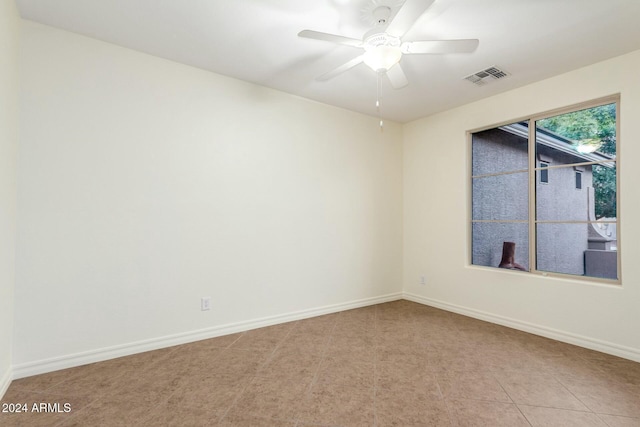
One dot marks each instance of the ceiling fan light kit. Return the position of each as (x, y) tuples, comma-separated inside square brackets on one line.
[(382, 52)]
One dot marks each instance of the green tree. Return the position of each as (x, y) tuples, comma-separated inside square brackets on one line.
[(597, 125)]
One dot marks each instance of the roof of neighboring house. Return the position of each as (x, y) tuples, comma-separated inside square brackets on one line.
[(557, 142)]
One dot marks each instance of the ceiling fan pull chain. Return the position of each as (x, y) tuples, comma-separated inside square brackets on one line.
[(378, 90)]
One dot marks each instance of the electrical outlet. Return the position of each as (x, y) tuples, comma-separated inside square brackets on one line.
[(205, 303), (423, 280)]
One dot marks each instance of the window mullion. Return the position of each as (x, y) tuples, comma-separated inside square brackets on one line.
[(531, 145)]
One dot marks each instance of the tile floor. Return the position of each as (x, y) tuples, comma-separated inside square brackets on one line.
[(394, 364)]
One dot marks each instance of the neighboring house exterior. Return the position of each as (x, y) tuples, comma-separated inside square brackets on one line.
[(562, 194)]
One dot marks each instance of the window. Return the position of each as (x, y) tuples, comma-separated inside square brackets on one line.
[(578, 180), (526, 213), (544, 172)]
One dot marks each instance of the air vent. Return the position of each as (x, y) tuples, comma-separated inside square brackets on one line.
[(485, 76)]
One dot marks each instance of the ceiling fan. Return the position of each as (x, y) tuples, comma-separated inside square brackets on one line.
[(383, 45)]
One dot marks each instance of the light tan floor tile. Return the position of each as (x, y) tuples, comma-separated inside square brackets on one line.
[(621, 370), (467, 413), (352, 348), (299, 366), (304, 343), (44, 381), (471, 385), (91, 381), (538, 390), (331, 405), (176, 415), (243, 420), (148, 387), (617, 421), (322, 325), (551, 417), (189, 359), (606, 397), (510, 360), (346, 372), (404, 354), (347, 342), (403, 379), (216, 393), (357, 330), (263, 340), (451, 362), (570, 365), (409, 410), (238, 362), (270, 398)]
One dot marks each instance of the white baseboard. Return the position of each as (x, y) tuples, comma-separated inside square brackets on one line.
[(5, 382), (92, 356), (558, 335)]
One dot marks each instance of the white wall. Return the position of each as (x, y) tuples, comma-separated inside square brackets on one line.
[(436, 218), (9, 39), (145, 184)]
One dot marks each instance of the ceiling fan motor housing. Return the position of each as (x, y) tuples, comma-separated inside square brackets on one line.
[(376, 38)]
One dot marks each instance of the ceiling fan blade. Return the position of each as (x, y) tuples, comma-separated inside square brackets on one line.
[(396, 76), (333, 38), (341, 69), (440, 46), (408, 14)]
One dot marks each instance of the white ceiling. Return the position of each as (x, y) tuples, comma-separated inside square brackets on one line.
[(256, 41)]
